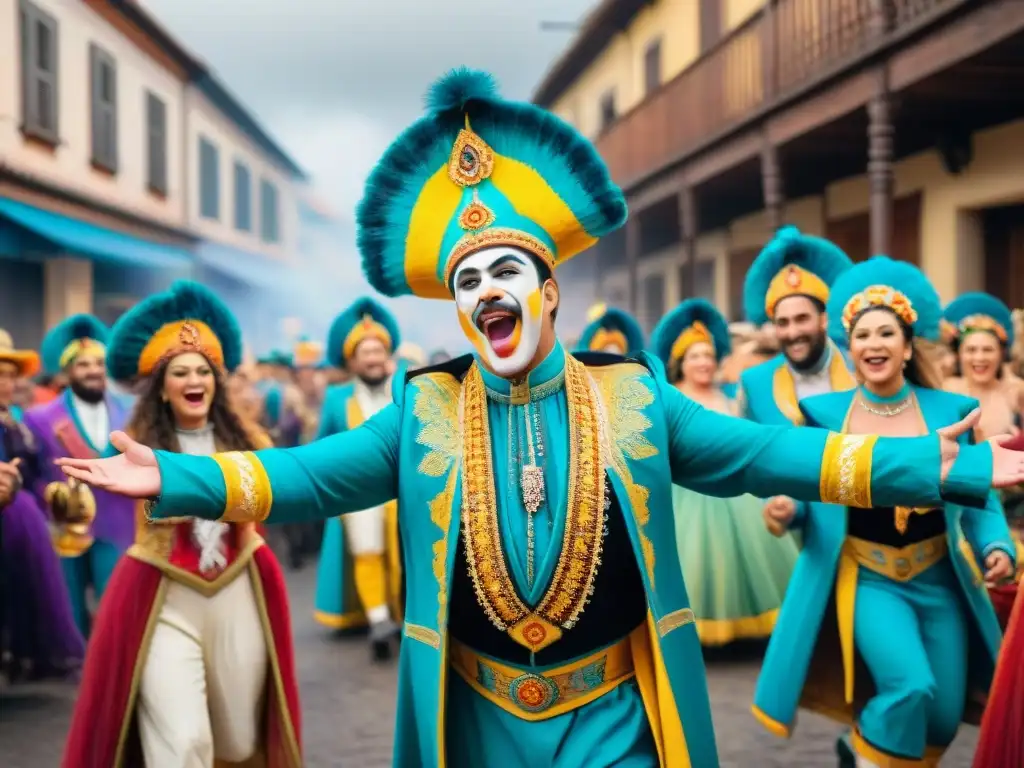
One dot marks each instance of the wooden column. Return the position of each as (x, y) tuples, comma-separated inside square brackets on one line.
[(880, 166), (772, 185), (632, 258), (688, 228)]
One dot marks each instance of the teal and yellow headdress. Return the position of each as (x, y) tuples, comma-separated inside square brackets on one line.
[(187, 317), (791, 264), (365, 318), (479, 171), (70, 338), (975, 312), (276, 357), (308, 353), (695, 320), (613, 326), (881, 282)]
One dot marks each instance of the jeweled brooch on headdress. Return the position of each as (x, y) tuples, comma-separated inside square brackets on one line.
[(879, 296)]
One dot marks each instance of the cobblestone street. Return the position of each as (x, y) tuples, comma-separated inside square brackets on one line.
[(349, 707)]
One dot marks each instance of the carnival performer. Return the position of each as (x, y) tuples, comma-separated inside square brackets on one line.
[(905, 579), (191, 660), (611, 330), (735, 571), (275, 371), (359, 579), (78, 424), (546, 621), (38, 634), (788, 286)]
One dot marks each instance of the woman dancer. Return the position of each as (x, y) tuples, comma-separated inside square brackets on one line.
[(191, 658), (735, 571), (905, 583)]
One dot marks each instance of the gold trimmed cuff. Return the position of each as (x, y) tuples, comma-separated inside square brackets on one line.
[(248, 493), (846, 470), (773, 726)]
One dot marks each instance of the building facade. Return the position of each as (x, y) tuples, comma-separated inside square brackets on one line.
[(125, 164), (889, 126)]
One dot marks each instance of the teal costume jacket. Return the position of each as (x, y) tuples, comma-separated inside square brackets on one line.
[(651, 436), (788, 677)]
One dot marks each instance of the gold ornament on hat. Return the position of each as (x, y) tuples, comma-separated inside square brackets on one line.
[(476, 215), (471, 160)]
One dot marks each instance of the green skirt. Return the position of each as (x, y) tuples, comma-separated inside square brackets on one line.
[(736, 572)]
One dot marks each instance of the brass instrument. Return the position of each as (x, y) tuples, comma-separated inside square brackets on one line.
[(73, 508)]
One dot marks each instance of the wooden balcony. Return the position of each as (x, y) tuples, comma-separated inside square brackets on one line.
[(787, 48)]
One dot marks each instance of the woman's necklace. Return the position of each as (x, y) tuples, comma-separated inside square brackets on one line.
[(885, 407)]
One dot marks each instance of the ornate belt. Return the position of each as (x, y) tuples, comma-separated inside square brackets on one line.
[(533, 695), (898, 563)]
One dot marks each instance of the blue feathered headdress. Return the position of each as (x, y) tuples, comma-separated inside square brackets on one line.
[(614, 326), (480, 171), (881, 281), (187, 317), (66, 333), (276, 357), (791, 264), (981, 312), (365, 317), (692, 321)]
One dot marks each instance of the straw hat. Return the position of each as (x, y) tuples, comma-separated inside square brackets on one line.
[(26, 360)]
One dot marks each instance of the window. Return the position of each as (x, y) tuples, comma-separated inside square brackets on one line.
[(38, 73), (103, 74), (705, 280), (209, 179), (243, 197), (608, 113), (269, 230), (156, 144), (652, 67)]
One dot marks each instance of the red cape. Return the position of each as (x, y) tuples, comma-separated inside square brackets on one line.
[(1001, 742), (103, 729)]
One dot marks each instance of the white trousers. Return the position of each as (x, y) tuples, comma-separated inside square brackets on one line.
[(202, 690), (364, 531)]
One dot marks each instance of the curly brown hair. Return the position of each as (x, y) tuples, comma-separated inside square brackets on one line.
[(152, 421)]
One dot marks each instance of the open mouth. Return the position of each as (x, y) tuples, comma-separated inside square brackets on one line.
[(499, 327), (876, 363), (981, 369), (195, 398)]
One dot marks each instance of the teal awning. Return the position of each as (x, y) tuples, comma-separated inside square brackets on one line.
[(80, 238)]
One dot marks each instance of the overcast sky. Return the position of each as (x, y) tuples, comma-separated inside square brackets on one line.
[(335, 83)]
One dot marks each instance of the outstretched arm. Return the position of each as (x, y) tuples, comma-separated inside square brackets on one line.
[(719, 455), (342, 473)]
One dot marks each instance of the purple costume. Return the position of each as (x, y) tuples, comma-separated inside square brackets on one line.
[(59, 433), (40, 637)]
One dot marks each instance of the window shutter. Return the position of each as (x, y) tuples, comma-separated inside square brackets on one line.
[(95, 101)]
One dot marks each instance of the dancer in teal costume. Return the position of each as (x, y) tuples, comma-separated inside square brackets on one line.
[(904, 583), (735, 571), (612, 331), (788, 285), (359, 576), (601, 666)]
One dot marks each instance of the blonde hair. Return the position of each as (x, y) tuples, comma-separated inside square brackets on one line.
[(925, 367)]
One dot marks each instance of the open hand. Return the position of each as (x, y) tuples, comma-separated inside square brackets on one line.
[(778, 514), (998, 568), (1007, 464), (133, 472)]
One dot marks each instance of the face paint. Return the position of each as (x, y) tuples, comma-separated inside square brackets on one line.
[(498, 295)]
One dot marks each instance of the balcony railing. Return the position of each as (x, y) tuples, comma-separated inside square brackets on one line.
[(786, 45)]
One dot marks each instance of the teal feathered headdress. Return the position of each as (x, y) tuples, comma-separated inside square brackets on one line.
[(276, 357), (365, 318), (882, 282), (70, 337), (791, 264), (188, 317), (479, 171), (981, 312), (692, 321), (614, 327)]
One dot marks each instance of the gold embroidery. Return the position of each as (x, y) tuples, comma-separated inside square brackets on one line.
[(784, 393), (675, 620), (423, 634), (624, 396), (474, 241), (846, 470), (476, 215), (436, 405), (471, 159), (248, 492), (580, 555)]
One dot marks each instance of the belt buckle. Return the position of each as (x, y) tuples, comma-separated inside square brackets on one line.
[(903, 567), (533, 693)]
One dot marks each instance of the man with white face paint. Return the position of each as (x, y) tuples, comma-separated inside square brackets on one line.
[(546, 623)]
